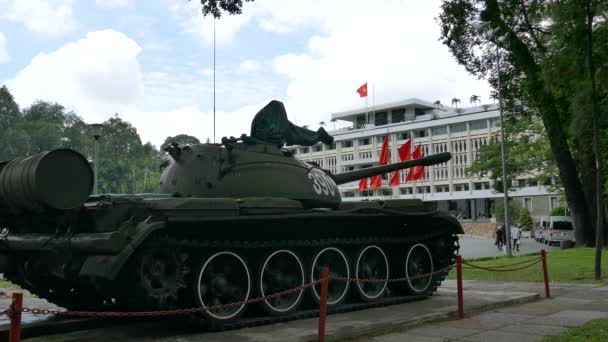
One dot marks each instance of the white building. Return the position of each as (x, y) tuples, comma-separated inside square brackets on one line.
[(436, 128)]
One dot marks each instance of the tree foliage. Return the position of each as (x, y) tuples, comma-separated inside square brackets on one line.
[(525, 220), (541, 45), (529, 155), (216, 7), (125, 164)]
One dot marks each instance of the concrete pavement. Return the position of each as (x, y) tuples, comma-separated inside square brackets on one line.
[(476, 247), (479, 296), (571, 305)]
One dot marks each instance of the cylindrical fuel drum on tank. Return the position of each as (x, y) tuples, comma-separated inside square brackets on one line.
[(59, 179)]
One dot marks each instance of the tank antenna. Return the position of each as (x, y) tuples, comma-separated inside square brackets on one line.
[(214, 79)]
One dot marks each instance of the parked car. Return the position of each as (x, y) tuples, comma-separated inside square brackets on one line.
[(559, 228)]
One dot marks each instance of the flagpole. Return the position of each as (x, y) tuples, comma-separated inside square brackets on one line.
[(214, 80), (366, 106)]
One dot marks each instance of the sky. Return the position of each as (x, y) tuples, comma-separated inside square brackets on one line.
[(152, 61)]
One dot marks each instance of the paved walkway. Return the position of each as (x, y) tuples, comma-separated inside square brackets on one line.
[(495, 311), (571, 305)]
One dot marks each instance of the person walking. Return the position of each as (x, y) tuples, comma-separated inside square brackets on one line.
[(500, 237), (516, 236)]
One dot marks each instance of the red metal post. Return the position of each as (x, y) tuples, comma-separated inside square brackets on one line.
[(14, 332), (323, 304), (459, 285), (543, 256)]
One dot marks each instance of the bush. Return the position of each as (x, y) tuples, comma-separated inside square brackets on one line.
[(514, 209), (558, 211), (525, 221)]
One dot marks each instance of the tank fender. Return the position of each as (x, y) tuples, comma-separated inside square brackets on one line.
[(451, 220), (109, 266)]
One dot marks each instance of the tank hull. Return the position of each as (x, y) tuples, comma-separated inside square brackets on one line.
[(144, 252)]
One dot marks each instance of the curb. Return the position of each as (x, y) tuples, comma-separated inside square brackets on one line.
[(395, 326)]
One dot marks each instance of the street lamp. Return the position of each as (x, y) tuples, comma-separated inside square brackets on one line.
[(502, 40), (96, 129)]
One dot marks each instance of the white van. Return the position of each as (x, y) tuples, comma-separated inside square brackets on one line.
[(559, 228)]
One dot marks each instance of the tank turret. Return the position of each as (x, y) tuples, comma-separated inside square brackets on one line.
[(246, 168)]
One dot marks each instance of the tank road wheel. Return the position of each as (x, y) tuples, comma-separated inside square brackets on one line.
[(418, 261), (371, 264), (223, 278), (338, 267), (281, 270), (161, 274)]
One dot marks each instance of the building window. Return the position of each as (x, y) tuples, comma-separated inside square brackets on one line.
[(380, 118), (304, 149), (419, 111), (317, 148), (553, 202), (404, 135), (421, 133), (360, 121), (349, 194), (479, 124), (347, 143), (405, 191), (364, 141), (398, 115), (386, 192), (458, 128), (380, 139), (442, 130), (495, 123), (528, 203), (330, 147)]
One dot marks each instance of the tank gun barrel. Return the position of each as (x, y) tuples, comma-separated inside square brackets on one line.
[(377, 170), (59, 179)]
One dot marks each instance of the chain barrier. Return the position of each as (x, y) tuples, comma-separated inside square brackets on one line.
[(393, 280), (59, 312), (162, 312), (503, 268)]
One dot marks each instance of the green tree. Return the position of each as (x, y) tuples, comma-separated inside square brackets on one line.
[(514, 211), (14, 141), (121, 155), (541, 76), (215, 7), (528, 146), (474, 99), (455, 102), (525, 220)]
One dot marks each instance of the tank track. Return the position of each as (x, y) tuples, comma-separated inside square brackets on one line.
[(67, 300), (447, 259)]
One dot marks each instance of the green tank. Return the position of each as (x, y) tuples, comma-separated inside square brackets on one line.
[(230, 222)]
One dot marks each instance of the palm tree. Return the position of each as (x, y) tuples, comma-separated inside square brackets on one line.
[(474, 99), (437, 103), (334, 122), (322, 123), (494, 96), (455, 102)]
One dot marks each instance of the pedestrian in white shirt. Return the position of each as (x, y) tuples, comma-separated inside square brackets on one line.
[(515, 235)]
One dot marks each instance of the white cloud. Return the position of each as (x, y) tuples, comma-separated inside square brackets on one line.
[(4, 57), (97, 75), (392, 45), (155, 126), (46, 17), (111, 3), (249, 65)]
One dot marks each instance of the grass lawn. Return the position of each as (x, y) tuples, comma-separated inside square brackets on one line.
[(594, 331), (6, 284), (573, 265)]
